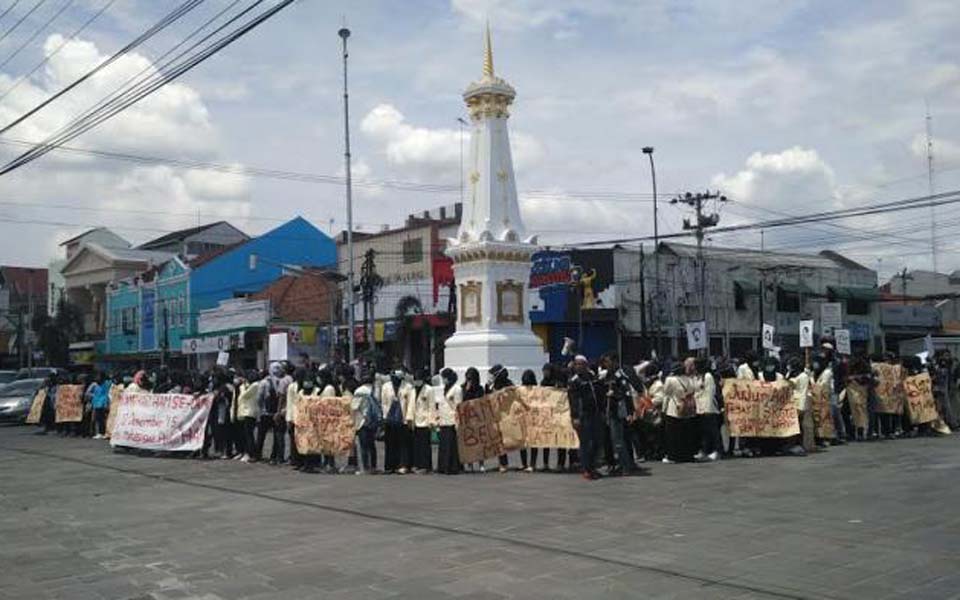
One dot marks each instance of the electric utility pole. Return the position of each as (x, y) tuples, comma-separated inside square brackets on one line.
[(344, 33), (702, 223)]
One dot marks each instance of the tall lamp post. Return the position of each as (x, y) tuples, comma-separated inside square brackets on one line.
[(344, 33), (648, 150)]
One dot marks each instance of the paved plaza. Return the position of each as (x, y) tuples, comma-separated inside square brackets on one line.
[(871, 520)]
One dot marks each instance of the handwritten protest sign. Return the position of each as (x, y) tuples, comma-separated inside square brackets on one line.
[(548, 423), (920, 403), (478, 429), (36, 409), (820, 407), (760, 409), (324, 425), (69, 403), (116, 393), (169, 422), (512, 418), (857, 401), (889, 391)]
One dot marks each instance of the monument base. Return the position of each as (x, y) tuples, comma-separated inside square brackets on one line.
[(517, 350)]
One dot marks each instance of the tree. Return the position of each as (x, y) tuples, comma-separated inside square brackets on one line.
[(54, 335), (407, 307)]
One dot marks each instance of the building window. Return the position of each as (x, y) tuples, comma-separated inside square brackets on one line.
[(412, 251), (739, 298), (128, 321), (183, 311), (858, 307), (787, 301)]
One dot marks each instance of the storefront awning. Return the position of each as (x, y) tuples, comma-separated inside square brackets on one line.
[(796, 288), (749, 288), (854, 293)]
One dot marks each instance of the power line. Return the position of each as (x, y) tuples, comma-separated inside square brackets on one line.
[(57, 50), (22, 19), (162, 24), (9, 8), (38, 31)]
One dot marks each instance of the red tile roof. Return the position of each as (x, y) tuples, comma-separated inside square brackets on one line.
[(296, 298)]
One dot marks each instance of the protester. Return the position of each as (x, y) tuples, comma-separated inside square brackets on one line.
[(396, 434), (473, 389), (448, 457), (679, 405), (585, 414), (708, 413), (422, 419)]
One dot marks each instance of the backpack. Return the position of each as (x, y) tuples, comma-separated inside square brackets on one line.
[(372, 413)]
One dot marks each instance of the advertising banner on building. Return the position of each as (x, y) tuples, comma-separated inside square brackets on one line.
[(831, 317), (162, 422)]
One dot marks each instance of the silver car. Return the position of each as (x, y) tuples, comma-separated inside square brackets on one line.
[(16, 399)]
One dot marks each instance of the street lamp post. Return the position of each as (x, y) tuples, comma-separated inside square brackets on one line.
[(344, 33), (648, 150)]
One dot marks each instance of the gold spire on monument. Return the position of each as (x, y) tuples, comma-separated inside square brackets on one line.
[(491, 95)]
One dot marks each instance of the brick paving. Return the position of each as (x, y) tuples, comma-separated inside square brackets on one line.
[(872, 520)]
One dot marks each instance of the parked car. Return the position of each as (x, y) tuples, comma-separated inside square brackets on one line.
[(7, 376), (16, 398), (36, 372)]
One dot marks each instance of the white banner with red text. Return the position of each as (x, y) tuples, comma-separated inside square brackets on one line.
[(168, 422)]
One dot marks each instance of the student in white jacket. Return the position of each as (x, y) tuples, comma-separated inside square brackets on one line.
[(678, 402), (446, 402), (420, 417), (397, 437), (708, 414)]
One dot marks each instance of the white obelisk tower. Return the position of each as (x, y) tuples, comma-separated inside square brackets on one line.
[(491, 254)]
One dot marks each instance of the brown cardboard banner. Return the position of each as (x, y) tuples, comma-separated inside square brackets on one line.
[(69, 403), (920, 403), (857, 400), (820, 407), (889, 391), (324, 425), (116, 394), (36, 409), (760, 409), (513, 418)]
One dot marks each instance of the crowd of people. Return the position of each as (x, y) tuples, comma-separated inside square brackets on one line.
[(670, 411)]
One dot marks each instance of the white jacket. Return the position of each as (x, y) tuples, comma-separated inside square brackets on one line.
[(801, 390), (675, 389), (247, 400), (293, 396), (707, 396), (389, 395), (745, 372), (826, 380), (446, 405), (421, 414)]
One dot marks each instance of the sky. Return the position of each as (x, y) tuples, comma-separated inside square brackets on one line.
[(787, 108)]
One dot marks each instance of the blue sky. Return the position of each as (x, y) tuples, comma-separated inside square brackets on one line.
[(787, 106)]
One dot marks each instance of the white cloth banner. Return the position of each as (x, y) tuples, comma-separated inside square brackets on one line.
[(278, 346), (806, 334), (171, 422), (697, 335)]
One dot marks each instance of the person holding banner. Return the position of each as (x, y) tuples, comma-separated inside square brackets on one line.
[(329, 388), (678, 401), (551, 376), (473, 389), (302, 384), (499, 378), (799, 377), (448, 458)]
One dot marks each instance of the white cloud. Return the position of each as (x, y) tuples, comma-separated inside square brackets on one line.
[(433, 154), (174, 121)]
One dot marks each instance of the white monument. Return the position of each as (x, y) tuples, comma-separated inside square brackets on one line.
[(491, 255)]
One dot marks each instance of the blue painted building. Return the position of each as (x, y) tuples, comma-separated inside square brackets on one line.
[(158, 309)]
